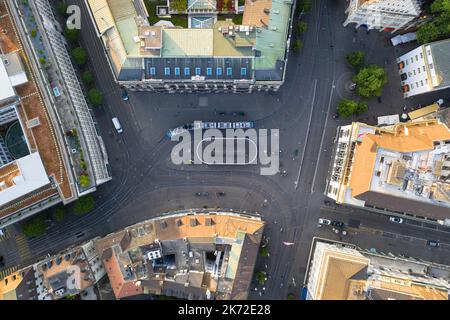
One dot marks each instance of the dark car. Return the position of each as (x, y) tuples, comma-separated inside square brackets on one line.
[(433, 243), (338, 224), (125, 95), (2, 262), (198, 194), (220, 194)]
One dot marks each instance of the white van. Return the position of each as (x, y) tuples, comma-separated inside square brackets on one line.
[(117, 125)]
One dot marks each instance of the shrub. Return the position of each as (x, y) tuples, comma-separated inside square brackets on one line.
[(87, 77), (356, 59), (261, 277), (34, 227), (79, 55), (263, 252), (298, 45), (347, 108), (71, 34), (302, 26), (95, 97), (84, 181), (84, 205), (34, 33)]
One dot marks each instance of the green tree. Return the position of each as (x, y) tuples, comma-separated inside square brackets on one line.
[(302, 26), (33, 33), (84, 205), (290, 296), (261, 277), (59, 213), (304, 5), (95, 97), (439, 27), (263, 252), (79, 55), (71, 34), (34, 227), (347, 108), (298, 45), (85, 181), (428, 33), (87, 77), (62, 8), (356, 59), (370, 81)]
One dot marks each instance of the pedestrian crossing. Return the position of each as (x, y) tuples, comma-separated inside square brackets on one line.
[(5, 236), (22, 247), (6, 272)]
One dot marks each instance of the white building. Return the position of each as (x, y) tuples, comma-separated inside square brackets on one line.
[(383, 14), (425, 69)]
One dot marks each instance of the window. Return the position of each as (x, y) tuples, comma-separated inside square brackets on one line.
[(414, 71), (412, 86), (421, 55), (198, 71), (177, 71), (219, 71), (417, 58), (187, 71), (418, 70), (209, 71), (243, 71), (412, 59), (229, 71), (152, 71), (421, 83), (406, 62), (424, 69), (167, 71)]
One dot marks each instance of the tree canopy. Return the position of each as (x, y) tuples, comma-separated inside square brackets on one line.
[(356, 59), (95, 97), (84, 205), (370, 81), (347, 108), (79, 55), (439, 27)]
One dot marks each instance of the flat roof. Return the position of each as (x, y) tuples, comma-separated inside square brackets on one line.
[(441, 57), (187, 43), (29, 177), (6, 88)]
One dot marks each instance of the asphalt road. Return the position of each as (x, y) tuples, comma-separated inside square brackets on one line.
[(146, 183)]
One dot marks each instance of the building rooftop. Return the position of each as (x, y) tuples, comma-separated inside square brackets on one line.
[(6, 89), (409, 162), (24, 176), (263, 38), (198, 256), (440, 73), (37, 128), (340, 272)]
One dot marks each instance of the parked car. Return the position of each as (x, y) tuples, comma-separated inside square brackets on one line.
[(433, 243), (338, 224), (220, 194), (125, 95), (324, 221), (396, 219), (2, 262)]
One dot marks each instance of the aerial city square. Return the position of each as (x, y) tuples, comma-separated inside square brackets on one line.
[(224, 150)]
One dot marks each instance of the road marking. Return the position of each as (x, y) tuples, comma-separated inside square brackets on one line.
[(307, 135), (323, 136), (22, 247)]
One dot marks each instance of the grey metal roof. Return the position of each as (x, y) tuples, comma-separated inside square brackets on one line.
[(160, 65), (441, 57)]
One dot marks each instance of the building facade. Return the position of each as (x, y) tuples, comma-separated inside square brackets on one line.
[(397, 169), (382, 15), (425, 69), (219, 56), (341, 271)]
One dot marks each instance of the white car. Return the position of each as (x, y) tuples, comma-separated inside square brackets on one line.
[(396, 219), (324, 221)]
